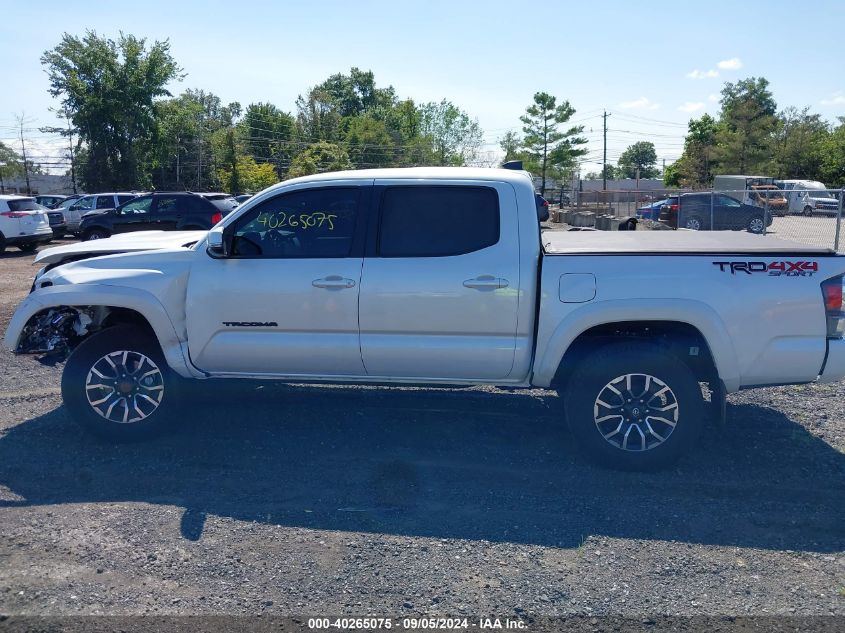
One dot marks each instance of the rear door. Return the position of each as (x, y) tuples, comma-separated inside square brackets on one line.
[(167, 210), (440, 285)]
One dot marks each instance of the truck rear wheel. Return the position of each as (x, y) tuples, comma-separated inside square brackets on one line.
[(117, 385), (633, 407)]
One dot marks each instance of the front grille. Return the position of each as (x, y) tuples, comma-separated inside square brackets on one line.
[(56, 218)]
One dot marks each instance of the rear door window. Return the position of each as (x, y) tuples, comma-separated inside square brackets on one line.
[(437, 221), (105, 202), (168, 204)]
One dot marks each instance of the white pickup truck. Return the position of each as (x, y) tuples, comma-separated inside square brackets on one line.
[(438, 276)]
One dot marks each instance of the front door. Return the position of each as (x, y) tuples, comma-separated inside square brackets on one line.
[(285, 302), (134, 216), (440, 287)]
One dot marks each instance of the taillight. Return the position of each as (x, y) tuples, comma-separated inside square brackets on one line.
[(14, 214), (832, 293), (674, 207), (216, 218)]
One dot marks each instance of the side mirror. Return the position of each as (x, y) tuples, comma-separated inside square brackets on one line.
[(216, 243)]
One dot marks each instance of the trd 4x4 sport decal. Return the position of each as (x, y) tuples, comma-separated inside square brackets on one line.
[(774, 269)]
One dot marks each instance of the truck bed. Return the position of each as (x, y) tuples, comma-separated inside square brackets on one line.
[(672, 242)]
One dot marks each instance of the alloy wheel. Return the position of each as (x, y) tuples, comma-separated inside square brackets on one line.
[(124, 386), (636, 412)]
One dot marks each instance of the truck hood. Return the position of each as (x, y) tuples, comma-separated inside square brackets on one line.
[(677, 242), (121, 243), (162, 273)]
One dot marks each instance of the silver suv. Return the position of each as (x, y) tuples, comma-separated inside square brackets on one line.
[(74, 211)]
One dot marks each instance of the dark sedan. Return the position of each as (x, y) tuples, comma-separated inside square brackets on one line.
[(714, 212)]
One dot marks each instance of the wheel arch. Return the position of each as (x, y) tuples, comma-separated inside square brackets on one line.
[(104, 306), (677, 320)]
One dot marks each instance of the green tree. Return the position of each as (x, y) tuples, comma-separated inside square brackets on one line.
[(695, 167), (543, 139), (252, 176), (268, 135), (798, 144), (11, 165), (640, 157), (317, 117), (317, 158), (108, 88), (511, 144), (455, 138), (368, 143), (832, 151), (356, 94), (747, 125)]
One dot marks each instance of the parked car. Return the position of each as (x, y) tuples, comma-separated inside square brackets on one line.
[(50, 201), (178, 211), (651, 211), (809, 197), (542, 207), (94, 202), (23, 223), (696, 210), (769, 197), (443, 277), (57, 222), (226, 202)]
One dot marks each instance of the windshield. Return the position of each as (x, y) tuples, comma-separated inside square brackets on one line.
[(818, 193)]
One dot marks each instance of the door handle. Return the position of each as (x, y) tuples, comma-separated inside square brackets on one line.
[(333, 282), (486, 282)]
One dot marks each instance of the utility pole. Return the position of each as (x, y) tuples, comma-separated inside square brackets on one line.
[(604, 158), (23, 153), (72, 161)]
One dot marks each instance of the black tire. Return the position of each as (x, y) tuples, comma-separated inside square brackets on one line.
[(2, 244), (808, 211), (96, 233), (28, 248), (157, 401), (590, 381)]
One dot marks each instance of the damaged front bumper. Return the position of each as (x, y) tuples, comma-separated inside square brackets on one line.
[(54, 331)]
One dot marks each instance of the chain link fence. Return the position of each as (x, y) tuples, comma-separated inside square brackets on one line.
[(809, 215)]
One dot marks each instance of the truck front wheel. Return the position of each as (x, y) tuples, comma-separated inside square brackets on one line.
[(117, 385), (633, 407)]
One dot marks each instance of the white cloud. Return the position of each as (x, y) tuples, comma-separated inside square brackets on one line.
[(703, 74), (713, 98), (734, 63), (837, 98), (643, 103), (691, 106)]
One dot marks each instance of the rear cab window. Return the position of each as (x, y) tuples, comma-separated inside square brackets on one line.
[(437, 221)]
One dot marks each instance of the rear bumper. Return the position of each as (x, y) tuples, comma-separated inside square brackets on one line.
[(834, 366), (35, 238)]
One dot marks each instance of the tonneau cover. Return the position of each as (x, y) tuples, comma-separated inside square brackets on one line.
[(675, 242)]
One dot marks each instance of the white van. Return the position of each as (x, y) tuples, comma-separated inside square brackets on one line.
[(809, 197)]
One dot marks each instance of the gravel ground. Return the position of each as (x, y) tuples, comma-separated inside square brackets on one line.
[(280, 500)]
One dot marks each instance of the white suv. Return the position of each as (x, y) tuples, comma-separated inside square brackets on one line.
[(23, 223)]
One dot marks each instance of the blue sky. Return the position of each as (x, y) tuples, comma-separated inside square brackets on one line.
[(652, 66)]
